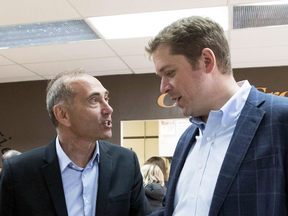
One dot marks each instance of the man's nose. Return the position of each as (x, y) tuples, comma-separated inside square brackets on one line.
[(165, 86), (107, 109)]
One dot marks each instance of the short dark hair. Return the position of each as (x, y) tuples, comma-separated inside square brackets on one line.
[(189, 36)]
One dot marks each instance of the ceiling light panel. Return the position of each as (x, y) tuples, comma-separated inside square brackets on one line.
[(260, 15), (149, 24), (46, 33)]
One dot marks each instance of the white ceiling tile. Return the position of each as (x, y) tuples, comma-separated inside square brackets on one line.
[(259, 64), (102, 64), (97, 73), (5, 61), (92, 8), (144, 70), (237, 2), (31, 11), (130, 46), (257, 37), (50, 76), (10, 71), (59, 52), (20, 79), (106, 73), (259, 54), (133, 46), (140, 61)]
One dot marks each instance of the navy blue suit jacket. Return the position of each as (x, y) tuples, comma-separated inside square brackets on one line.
[(31, 184), (253, 177)]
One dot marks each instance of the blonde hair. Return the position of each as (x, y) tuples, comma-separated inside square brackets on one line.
[(159, 161), (152, 173)]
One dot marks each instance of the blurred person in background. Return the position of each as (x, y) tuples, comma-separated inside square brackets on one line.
[(9, 154), (153, 180), (159, 161)]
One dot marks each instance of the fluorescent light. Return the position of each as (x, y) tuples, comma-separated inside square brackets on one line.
[(260, 15), (149, 24), (56, 32)]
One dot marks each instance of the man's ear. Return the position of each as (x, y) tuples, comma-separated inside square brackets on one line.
[(61, 115), (209, 59)]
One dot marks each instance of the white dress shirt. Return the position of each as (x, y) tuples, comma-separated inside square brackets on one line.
[(197, 180), (80, 184)]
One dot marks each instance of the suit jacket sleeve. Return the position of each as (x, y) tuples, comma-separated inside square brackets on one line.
[(138, 199), (7, 204)]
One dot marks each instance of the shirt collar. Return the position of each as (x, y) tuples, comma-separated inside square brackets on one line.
[(232, 108), (198, 121), (235, 104), (65, 161)]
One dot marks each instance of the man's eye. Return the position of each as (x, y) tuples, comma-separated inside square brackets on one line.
[(94, 100), (170, 73), (107, 99)]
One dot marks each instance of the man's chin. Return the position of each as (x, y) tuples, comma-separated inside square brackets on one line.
[(185, 112), (107, 136)]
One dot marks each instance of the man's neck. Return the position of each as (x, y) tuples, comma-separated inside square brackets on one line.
[(225, 88), (79, 151)]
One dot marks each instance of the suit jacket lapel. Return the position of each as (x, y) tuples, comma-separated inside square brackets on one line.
[(183, 147), (105, 172), (52, 175), (246, 127)]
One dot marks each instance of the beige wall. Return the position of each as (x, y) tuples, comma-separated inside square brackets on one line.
[(141, 137)]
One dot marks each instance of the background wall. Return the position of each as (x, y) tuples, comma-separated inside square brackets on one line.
[(24, 122)]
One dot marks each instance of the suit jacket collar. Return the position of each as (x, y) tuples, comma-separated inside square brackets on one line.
[(247, 125), (52, 175), (105, 172)]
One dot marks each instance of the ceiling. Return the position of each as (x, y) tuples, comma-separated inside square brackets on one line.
[(254, 47)]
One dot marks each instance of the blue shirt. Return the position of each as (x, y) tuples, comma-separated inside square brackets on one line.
[(196, 184), (80, 184)]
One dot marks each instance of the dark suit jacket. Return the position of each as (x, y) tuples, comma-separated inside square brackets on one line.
[(253, 177), (31, 183)]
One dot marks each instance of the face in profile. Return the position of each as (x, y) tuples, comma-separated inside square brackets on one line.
[(186, 86), (90, 116)]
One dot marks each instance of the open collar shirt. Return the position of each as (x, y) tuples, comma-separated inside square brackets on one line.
[(80, 184), (199, 175)]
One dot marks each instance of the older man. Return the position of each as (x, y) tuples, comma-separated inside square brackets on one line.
[(77, 173)]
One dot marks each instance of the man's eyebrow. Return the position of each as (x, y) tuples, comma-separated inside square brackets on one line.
[(97, 94), (164, 68)]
